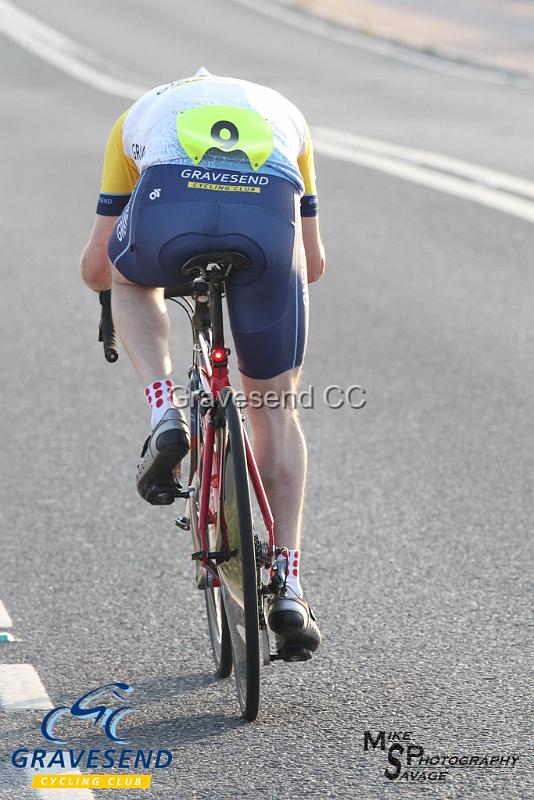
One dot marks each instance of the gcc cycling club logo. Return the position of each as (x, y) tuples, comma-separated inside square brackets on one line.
[(107, 718), (105, 708)]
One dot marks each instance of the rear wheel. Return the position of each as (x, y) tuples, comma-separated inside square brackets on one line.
[(238, 575)]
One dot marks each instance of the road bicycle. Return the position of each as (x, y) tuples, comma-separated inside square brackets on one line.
[(237, 563)]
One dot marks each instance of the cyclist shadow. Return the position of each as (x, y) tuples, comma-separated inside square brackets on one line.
[(154, 699), (183, 729), (186, 727), (166, 688)]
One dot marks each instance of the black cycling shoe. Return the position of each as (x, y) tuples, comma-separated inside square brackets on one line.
[(166, 446), (293, 622)]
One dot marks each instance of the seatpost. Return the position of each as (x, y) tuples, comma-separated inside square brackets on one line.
[(216, 290)]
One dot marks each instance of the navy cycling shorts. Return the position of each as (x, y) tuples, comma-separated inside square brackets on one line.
[(177, 212)]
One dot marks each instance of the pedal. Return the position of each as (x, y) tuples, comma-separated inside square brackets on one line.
[(214, 555), (183, 523), (292, 653), (160, 494), (179, 491), (163, 493)]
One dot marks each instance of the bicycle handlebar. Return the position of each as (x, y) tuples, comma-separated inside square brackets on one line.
[(106, 329)]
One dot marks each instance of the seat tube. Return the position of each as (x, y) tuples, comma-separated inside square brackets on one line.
[(205, 489), (216, 290)]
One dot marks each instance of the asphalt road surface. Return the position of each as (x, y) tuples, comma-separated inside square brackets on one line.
[(416, 547)]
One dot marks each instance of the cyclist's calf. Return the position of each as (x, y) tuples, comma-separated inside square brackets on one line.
[(280, 451)]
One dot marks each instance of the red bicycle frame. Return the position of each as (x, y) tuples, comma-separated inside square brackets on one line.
[(211, 481)]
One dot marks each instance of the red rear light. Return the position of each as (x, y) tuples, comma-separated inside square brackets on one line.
[(218, 354)]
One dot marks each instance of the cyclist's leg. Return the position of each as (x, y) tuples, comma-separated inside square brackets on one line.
[(146, 250), (268, 312), (280, 451), (142, 323), (269, 316), (140, 316)]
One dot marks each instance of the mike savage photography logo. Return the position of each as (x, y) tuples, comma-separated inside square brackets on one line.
[(410, 762), (105, 708)]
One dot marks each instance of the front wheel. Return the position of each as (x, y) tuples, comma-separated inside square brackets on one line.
[(219, 633), (238, 575), (217, 623)]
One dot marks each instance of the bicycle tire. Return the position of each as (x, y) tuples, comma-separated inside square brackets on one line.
[(221, 646), (219, 634), (239, 582)]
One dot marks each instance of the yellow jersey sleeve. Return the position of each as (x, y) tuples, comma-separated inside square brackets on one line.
[(308, 202), (119, 175)]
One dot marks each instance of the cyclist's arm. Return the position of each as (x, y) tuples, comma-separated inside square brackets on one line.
[(95, 265), (118, 180), (313, 246)]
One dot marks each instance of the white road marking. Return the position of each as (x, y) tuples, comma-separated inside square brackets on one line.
[(383, 47), (5, 619), (61, 51), (422, 168), (453, 166), (55, 794), (68, 794), (21, 688), (490, 188), (6, 637)]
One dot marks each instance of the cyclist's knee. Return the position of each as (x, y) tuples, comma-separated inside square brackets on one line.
[(286, 382), (94, 274), (272, 404)]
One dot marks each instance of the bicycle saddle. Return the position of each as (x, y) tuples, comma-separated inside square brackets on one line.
[(224, 258)]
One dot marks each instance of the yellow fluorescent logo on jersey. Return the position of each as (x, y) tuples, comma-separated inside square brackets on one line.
[(218, 187), (227, 128)]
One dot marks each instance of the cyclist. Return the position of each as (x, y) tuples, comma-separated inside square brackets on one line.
[(212, 163)]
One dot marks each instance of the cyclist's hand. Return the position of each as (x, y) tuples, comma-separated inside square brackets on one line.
[(315, 267)]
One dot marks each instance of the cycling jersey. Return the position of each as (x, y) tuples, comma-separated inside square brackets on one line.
[(228, 133)]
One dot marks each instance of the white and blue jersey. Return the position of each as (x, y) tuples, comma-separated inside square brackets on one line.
[(208, 123)]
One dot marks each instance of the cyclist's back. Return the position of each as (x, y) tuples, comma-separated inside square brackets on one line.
[(214, 122), (218, 164)]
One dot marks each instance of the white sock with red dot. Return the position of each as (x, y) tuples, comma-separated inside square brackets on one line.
[(288, 562), (159, 398)]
